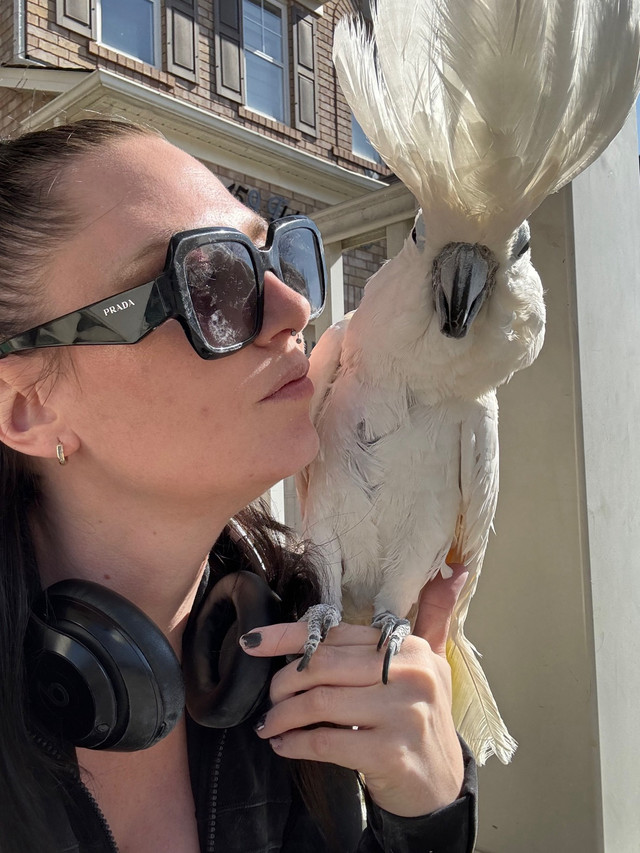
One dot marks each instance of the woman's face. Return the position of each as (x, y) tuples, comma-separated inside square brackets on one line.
[(154, 417)]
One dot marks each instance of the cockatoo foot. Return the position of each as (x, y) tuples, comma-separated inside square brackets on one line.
[(393, 631), (321, 617)]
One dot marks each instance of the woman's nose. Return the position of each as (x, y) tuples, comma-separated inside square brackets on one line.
[(284, 309)]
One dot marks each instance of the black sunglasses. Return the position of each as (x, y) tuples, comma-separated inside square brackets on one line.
[(212, 283)]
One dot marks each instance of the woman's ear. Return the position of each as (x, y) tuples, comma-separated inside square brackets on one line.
[(29, 419)]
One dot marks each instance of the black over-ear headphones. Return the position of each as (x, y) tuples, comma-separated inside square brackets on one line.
[(102, 675)]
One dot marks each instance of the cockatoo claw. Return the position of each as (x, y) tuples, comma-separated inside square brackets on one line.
[(393, 631), (321, 617)]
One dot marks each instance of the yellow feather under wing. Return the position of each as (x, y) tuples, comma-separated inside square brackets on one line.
[(475, 710)]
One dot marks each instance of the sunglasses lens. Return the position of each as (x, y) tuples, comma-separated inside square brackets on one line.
[(222, 285), (301, 265)]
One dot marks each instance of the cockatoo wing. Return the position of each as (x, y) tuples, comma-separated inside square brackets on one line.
[(324, 362), (474, 709), (483, 109)]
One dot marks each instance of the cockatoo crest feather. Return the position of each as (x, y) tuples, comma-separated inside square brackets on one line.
[(483, 109)]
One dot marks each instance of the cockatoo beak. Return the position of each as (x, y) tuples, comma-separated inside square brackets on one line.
[(463, 277)]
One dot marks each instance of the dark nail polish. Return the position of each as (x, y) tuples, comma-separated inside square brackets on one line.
[(259, 724), (251, 641)]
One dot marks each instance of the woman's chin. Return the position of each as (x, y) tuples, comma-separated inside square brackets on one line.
[(292, 457)]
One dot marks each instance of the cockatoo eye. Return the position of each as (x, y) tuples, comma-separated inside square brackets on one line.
[(522, 241)]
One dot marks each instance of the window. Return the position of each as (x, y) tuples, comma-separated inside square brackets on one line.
[(131, 27), (265, 54), (251, 51), (360, 144)]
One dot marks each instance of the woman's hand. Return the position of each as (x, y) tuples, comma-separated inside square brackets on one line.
[(400, 736)]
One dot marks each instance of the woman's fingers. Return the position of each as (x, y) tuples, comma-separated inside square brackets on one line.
[(435, 606), (345, 747), (289, 638), (359, 666), (324, 704)]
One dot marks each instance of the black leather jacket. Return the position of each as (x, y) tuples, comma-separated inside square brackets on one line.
[(246, 801)]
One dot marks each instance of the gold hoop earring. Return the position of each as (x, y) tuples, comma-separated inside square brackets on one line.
[(62, 459)]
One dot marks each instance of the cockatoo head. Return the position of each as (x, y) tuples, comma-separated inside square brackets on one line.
[(462, 317), (463, 277)]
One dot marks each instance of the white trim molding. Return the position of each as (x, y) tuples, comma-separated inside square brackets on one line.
[(312, 6), (210, 137), (40, 79)]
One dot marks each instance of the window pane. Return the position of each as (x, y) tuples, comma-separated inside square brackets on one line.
[(263, 28), (127, 25), (273, 45), (271, 19), (252, 35), (252, 10), (264, 86), (360, 145)]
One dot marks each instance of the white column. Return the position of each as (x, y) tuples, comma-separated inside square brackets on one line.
[(607, 239), (557, 611), (276, 499), (396, 234), (282, 496), (334, 308), (292, 515)]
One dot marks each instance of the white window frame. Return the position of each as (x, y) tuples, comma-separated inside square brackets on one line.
[(286, 94), (157, 33)]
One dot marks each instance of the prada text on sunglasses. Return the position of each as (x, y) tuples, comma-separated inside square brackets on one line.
[(212, 283)]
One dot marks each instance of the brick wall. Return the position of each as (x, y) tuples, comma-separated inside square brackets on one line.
[(16, 106), (267, 199), (6, 31), (61, 48), (359, 265)]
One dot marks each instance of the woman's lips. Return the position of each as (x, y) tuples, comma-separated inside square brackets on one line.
[(295, 390), (293, 385)]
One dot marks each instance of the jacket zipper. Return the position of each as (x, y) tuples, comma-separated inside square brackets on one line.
[(213, 796), (54, 752), (105, 826)]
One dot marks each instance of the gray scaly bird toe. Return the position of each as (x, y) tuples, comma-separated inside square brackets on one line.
[(392, 633), (320, 617)]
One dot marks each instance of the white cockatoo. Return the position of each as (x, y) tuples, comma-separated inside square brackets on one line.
[(482, 109)]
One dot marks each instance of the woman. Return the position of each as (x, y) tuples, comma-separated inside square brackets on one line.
[(122, 465)]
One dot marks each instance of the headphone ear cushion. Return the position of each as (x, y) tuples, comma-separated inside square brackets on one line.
[(225, 686), (101, 673)]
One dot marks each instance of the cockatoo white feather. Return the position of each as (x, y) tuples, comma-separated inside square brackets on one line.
[(482, 109)]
